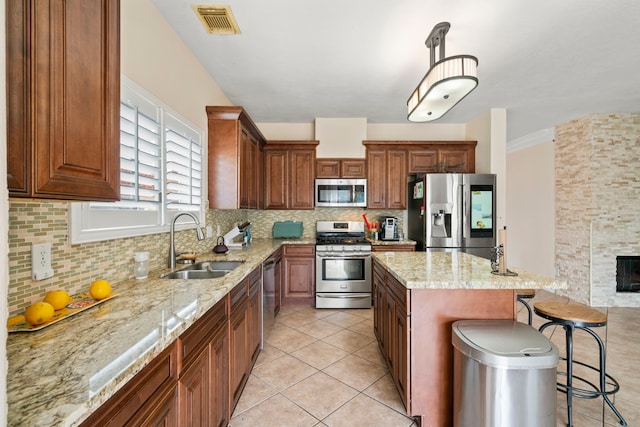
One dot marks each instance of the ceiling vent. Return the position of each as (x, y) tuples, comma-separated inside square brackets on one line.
[(217, 19)]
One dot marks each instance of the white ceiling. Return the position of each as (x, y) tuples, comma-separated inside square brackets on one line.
[(544, 61)]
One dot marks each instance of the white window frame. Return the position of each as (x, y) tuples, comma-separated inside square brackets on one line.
[(87, 224)]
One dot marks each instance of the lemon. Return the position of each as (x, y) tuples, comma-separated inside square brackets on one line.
[(39, 313), (100, 289), (58, 299), (14, 320)]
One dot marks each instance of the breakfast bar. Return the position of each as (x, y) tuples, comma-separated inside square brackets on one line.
[(417, 297)]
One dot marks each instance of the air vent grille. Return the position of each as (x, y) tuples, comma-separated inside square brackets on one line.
[(217, 19)]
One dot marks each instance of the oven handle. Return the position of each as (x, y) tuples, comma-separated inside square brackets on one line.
[(345, 255), (343, 296)]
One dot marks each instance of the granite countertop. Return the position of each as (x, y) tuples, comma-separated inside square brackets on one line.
[(59, 375), (457, 270), (391, 242)]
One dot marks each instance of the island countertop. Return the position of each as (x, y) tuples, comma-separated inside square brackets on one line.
[(457, 270)]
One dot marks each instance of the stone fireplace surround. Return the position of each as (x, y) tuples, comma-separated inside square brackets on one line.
[(597, 199)]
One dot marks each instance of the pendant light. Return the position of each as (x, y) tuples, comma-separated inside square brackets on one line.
[(445, 84)]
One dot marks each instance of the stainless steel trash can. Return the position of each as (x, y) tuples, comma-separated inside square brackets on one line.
[(504, 375)]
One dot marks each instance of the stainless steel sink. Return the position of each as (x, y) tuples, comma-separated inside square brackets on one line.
[(195, 274), (215, 265), (204, 270)]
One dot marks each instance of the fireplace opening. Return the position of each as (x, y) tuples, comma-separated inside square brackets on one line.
[(628, 273)]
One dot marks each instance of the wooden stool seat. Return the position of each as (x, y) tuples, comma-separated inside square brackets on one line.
[(577, 313), (525, 293)]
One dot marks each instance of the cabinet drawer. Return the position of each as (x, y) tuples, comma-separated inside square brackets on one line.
[(299, 250), (141, 393), (238, 295), (194, 339), (397, 290)]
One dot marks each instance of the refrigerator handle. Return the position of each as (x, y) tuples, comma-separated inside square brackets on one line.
[(463, 189)]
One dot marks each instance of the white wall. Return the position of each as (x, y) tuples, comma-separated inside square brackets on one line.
[(531, 209), (153, 56), (490, 130), (4, 224)]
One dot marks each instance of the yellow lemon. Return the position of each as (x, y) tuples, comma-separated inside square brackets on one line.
[(58, 299), (100, 289), (39, 313), (14, 320)]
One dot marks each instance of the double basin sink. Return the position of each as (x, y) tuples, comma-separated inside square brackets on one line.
[(204, 270)]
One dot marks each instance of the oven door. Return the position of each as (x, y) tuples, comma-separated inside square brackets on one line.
[(343, 273)]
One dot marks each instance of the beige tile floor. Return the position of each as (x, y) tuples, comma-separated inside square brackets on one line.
[(324, 368)]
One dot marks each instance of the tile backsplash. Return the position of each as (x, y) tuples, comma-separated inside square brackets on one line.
[(76, 266)]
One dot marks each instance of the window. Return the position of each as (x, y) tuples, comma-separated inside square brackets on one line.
[(160, 173)]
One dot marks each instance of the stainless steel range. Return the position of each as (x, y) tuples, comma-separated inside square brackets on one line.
[(343, 265)]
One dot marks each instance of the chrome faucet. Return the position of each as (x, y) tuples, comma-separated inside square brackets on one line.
[(172, 250)]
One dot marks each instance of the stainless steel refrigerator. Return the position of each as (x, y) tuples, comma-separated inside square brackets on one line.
[(453, 212)]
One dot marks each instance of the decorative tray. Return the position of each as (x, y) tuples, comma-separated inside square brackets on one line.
[(78, 303)]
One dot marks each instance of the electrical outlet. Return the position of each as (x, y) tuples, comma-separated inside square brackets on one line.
[(41, 261), (209, 231)]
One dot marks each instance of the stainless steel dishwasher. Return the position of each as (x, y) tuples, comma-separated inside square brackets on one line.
[(268, 297)]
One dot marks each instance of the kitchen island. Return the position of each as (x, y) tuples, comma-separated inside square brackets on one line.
[(417, 297)]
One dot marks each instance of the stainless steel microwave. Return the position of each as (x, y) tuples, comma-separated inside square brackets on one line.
[(341, 193)]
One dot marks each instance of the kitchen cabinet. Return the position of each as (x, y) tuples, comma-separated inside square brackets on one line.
[(386, 178), (203, 386), (148, 397), (63, 99), (389, 163), (413, 329), (187, 384), (245, 332), (449, 156), (340, 168), (234, 159), (299, 274), (289, 170)]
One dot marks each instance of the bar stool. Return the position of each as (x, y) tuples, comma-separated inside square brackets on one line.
[(525, 294), (570, 317)]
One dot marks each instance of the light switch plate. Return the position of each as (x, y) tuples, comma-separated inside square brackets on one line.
[(41, 261)]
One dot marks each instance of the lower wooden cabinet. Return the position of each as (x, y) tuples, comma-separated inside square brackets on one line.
[(299, 274), (198, 379)]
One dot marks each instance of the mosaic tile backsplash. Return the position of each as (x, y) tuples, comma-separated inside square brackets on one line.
[(76, 266)]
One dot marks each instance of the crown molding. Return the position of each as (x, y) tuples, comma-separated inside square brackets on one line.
[(534, 138)]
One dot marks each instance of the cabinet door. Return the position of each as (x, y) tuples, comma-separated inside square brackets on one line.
[(163, 415), (238, 341), (328, 168), (66, 77), (457, 159), (376, 179), (276, 172), (400, 338), (299, 274), (421, 161), (353, 168), (219, 369), (193, 392), (277, 282), (255, 317), (301, 179), (396, 179)]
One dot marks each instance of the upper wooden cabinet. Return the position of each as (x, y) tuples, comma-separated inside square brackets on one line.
[(63, 99), (234, 159), (340, 168), (289, 172), (442, 157), (389, 163), (386, 178)]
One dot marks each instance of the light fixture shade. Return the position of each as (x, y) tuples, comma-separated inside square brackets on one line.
[(446, 83)]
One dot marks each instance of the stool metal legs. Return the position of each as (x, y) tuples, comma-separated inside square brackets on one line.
[(597, 391), (527, 306)]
